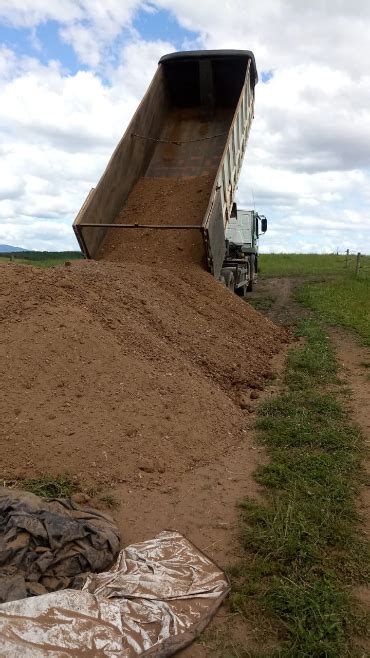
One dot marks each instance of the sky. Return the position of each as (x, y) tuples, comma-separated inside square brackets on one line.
[(72, 73)]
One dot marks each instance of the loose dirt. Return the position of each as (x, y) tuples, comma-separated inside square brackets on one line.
[(161, 201), (282, 308), (115, 378)]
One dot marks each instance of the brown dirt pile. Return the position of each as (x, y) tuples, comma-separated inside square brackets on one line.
[(113, 374), (161, 201)]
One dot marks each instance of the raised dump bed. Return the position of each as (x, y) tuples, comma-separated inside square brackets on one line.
[(182, 152)]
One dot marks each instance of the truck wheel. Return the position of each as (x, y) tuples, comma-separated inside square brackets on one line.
[(228, 277)]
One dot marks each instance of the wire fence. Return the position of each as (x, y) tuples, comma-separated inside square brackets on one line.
[(357, 263)]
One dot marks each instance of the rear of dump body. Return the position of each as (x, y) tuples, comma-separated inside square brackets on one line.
[(194, 120)]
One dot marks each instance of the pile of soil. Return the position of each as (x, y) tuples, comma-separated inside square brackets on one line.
[(118, 375), (161, 201)]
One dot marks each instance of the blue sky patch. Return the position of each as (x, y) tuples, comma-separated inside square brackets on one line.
[(266, 76), (162, 25), (43, 43)]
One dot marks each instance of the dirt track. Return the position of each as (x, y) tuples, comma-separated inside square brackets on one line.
[(352, 357)]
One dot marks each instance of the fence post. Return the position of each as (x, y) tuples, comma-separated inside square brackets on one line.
[(347, 254), (358, 263)]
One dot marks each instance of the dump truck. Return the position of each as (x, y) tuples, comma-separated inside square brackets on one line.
[(193, 121)]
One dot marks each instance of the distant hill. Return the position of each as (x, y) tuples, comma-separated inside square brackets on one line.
[(7, 248)]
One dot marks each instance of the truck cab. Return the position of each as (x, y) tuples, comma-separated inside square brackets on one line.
[(241, 261)]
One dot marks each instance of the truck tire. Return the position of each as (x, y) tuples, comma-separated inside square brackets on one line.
[(228, 277)]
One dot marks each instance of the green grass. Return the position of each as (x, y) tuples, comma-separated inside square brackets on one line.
[(296, 265), (262, 304), (109, 500), (41, 258), (316, 360), (304, 550), (345, 301), (47, 486)]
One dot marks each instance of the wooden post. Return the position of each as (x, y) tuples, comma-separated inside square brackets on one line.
[(358, 263), (347, 254)]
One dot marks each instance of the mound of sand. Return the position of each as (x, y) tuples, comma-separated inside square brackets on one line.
[(109, 372)]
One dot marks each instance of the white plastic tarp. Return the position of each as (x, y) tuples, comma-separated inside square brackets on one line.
[(158, 597)]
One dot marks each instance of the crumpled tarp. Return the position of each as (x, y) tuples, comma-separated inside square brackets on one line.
[(159, 596), (46, 545)]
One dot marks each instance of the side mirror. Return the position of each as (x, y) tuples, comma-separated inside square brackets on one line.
[(263, 224)]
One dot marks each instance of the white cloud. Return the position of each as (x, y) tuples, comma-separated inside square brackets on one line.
[(28, 13), (282, 32), (307, 160), (41, 235), (138, 63), (89, 26), (57, 132)]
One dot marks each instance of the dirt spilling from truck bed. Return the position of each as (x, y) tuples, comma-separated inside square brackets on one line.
[(115, 375), (160, 202)]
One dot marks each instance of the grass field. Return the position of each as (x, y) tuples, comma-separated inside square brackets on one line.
[(303, 549), (345, 301), (339, 298), (279, 265)]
